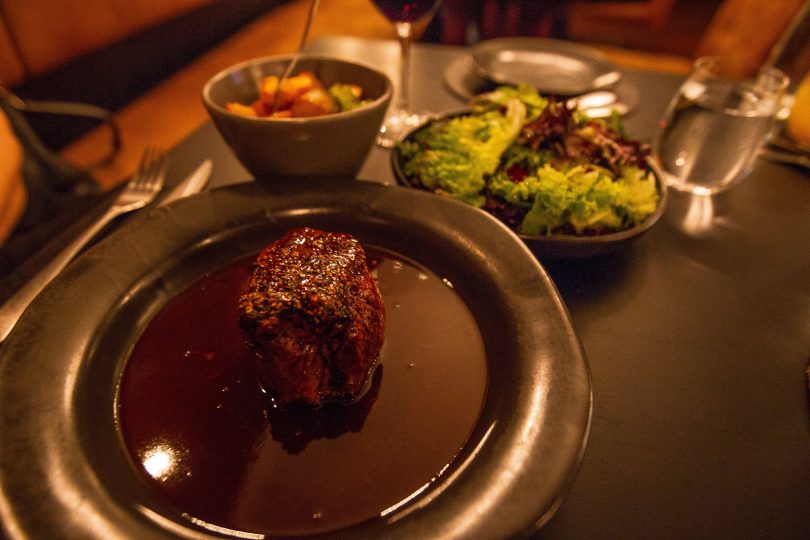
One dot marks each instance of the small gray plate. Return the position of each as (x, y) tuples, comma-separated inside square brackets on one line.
[(552, 66)]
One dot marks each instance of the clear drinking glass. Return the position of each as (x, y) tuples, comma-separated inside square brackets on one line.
[(408, 17), (715, 126)]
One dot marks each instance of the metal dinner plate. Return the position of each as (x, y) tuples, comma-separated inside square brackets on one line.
[(65, 473), (461, 79), (553, 66)]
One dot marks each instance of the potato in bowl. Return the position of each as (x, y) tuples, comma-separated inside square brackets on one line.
[(302, 95)]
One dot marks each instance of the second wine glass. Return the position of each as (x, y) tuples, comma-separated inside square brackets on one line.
[(409, 17)]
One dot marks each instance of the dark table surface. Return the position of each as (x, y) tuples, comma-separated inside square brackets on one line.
[(697, 336)]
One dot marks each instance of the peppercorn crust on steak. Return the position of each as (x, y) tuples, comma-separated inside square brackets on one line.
[(315, 317)]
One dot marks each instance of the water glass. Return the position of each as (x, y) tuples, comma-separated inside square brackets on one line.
[(715, 125)]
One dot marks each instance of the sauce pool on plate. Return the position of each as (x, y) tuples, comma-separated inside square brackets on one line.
[(208, 442)]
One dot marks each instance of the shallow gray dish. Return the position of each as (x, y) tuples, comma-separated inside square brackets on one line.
[(552, 246), (552, 66), (65, 473)]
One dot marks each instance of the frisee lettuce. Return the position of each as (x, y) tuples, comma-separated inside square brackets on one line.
[(455, 156), (535, 164)]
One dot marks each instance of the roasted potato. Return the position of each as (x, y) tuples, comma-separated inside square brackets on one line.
[(244, 110), (300, 96), (316, 102), (291, 89)]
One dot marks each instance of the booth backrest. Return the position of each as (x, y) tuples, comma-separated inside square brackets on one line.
[(37, 36), (107, 52)]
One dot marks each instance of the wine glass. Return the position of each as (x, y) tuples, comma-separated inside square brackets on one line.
[(409, 18)]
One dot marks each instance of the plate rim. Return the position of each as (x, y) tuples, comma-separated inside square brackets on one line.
[(608, 76), (21, 354)]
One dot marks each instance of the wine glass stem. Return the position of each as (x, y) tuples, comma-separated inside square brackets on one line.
[(404, 34)]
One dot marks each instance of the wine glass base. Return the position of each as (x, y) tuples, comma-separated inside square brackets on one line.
[(397, 124), (706, 189)]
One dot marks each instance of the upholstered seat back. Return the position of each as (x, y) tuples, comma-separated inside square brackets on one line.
[(37, 36)]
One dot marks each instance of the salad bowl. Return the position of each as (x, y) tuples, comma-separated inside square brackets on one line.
[(553, 245)]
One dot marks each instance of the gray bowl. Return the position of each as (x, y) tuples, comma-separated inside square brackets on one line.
[(551, 246), (334, 145)]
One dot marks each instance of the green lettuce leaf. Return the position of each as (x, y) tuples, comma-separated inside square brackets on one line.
[(453, 157)]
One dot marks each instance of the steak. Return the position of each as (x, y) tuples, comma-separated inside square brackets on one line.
[(315, 317)]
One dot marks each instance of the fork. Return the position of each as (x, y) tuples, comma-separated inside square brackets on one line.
[(142, 188)]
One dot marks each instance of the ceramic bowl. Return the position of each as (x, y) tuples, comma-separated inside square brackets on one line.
[(553, 246), (332, 145)]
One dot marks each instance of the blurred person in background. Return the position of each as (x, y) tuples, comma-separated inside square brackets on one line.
[(13, 194), (41, 194), (466, 22)]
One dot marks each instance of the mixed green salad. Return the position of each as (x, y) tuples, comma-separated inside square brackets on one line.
[(536, 164)]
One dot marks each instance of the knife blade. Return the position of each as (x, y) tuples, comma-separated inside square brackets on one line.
[(192, 184)]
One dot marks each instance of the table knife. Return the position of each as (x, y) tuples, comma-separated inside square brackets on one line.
[(191, 185)]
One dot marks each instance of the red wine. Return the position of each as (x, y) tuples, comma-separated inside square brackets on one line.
[(405, 10), (209, 444)]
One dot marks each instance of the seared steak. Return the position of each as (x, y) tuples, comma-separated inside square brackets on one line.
[(315, 317)]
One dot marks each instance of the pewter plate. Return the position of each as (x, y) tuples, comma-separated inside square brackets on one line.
[(552, 66), (64, 471)]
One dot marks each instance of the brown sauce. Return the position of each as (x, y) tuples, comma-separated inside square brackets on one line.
[(207, 440)]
